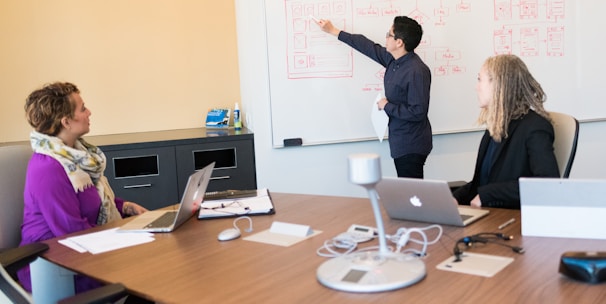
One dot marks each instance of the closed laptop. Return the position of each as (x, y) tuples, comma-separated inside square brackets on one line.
[(571, 208)]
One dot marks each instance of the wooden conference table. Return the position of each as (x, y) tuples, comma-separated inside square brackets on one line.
[(191, 266)]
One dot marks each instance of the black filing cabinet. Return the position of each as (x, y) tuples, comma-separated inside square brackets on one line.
[(152, 168), (145, 176), (232, 164)]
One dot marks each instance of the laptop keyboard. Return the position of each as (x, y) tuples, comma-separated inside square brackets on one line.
[(164, 220), (464, 217)]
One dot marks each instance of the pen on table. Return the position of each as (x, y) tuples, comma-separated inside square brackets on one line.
[(507, 223)]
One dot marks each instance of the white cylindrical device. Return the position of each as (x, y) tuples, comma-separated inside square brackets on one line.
[(364, 169)]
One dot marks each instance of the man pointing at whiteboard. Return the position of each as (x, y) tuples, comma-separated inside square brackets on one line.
[(407, 82)]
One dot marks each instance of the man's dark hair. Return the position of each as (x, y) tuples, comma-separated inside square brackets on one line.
[(409, 30)]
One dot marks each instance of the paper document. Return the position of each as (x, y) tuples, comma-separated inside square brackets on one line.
[(476, 264), (283, 234), (106, 240), (379, 119), (259, 204)]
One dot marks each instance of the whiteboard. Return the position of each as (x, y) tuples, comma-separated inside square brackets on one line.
[(322, 91)]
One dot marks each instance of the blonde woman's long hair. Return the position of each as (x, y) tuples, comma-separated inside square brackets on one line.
[(515, 93)]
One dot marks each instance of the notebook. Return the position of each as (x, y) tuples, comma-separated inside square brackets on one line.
[(169, 220), (572, 208), (232, 203), (424, 200)]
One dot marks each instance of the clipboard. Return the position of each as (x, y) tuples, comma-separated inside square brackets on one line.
[(259, 204)]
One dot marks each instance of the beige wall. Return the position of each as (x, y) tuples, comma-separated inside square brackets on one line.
[(141, 65)]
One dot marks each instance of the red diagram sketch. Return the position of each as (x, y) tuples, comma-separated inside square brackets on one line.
[(555, 41), (444, 57), (529, 28), (529, 9), (310, 52), (448, 56)]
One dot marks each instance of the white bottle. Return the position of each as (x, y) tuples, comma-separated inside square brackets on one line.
[(237, 118)]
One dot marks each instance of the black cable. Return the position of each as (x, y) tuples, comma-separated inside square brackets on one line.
[(484, 238), (516, 249)]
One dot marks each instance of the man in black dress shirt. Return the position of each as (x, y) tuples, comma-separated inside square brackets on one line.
[(407, 83)]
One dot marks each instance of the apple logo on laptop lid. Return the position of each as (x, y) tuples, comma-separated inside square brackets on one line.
[(415, 201)]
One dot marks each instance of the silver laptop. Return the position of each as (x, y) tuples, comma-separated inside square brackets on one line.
[(169, 220), (424, 200), (572, 208)]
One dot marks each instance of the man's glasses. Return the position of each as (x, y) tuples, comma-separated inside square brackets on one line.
[(388, 34)]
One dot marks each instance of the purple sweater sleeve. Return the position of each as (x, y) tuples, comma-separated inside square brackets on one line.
[(52, 207), (119, 204)]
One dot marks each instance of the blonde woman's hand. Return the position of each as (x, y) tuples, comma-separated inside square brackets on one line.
[(476, 202)]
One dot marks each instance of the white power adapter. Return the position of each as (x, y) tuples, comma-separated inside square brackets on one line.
[(404, 239), (360, 234)]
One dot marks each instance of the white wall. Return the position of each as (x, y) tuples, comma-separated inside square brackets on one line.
[(323, 169)]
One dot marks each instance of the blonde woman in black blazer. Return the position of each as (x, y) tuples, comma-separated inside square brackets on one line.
[(519, 138)]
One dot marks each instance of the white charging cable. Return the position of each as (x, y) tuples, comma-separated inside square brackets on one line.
[(404, 235), (337, 246), (250, 223), (345, 244)]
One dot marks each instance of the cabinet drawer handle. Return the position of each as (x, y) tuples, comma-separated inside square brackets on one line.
[(138, 186), (220, 177)]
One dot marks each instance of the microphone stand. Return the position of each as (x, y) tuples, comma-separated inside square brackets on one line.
[(373, 195), (370, 271)]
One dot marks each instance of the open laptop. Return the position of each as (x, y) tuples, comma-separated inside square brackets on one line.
[(555, 207), (424, 200), (169, 220)]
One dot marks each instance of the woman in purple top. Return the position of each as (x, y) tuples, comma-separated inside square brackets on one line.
[(65, 189)]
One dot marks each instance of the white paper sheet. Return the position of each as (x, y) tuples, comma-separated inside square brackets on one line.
[(280, 239), (476, 264), (106, 240), (379, 119)]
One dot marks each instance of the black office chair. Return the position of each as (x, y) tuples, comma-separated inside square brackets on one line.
[(14, 259)]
